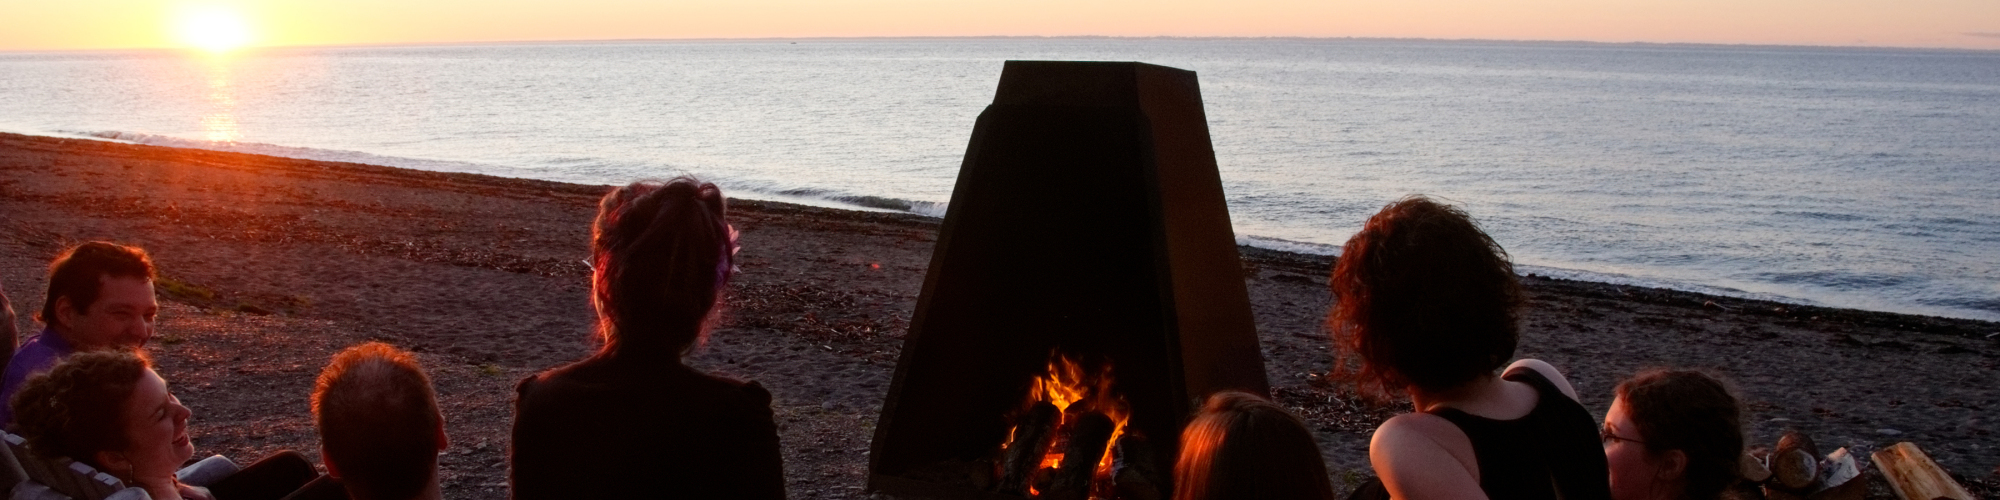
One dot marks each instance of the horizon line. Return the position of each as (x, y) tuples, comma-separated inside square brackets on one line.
[(1014, 37)]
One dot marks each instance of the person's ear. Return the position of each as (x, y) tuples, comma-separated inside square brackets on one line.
[(331, 469), (114, 462), (65, 312), (1673, 464)]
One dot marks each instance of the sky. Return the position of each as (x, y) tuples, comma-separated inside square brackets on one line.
[(108, 24)]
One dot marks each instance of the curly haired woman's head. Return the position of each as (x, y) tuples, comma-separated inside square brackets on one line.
[(78, 408), (661, 253), (1423, 298)]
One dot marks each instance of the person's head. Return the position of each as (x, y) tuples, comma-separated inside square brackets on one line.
[(1673, 434), (101, 296), (661, 252), (1423, 299), (379, 426), (1243, 446), (107, 409)]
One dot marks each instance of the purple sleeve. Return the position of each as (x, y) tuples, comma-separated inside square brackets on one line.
[(31, 359)]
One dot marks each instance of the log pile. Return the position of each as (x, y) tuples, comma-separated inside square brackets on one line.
[(1795, 470)]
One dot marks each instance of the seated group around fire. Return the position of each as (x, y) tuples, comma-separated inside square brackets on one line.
[(1427, 306)]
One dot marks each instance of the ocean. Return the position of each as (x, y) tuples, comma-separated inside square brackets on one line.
[(1844, 177)]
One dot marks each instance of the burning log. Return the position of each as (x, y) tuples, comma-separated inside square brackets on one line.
[(1032, 436), (1913, 476), (1135, 474), (1087, 441)]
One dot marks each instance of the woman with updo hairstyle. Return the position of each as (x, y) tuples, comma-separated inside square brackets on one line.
[(111, 411), (633, 420), (1673, 435), (1427, 305), (1243, 446)]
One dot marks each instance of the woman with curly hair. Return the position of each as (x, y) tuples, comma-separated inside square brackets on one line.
[(110, 410), (1672, 435), (633, 419), (1428, 305)]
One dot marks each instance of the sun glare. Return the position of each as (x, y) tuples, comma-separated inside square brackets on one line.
[(213, 29)]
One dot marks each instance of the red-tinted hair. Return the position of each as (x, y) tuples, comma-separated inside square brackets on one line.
[(1243, 446), (1690, 411), (1423, 298), (77, 408), (378, 421), (660, 255), (78, 274)]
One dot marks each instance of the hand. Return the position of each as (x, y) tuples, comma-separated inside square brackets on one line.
[(193, 492)]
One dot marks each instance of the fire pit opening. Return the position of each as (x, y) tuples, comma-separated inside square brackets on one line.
[(1084, 295)]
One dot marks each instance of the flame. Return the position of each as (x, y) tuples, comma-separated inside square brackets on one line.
[(1067, 383)]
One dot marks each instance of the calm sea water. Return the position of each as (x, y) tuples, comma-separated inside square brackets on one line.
[(1857, 178)]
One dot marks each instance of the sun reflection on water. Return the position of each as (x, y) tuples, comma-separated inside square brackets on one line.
[(218, 124)]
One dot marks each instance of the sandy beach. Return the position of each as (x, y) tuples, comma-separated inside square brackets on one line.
[(270, 265)]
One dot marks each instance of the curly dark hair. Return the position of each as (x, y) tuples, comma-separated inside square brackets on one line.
[(661, 256), (1423, 298), (78, 408), (1694, 412)]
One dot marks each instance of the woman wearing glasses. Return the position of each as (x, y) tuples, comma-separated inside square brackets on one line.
[(1673, 434)]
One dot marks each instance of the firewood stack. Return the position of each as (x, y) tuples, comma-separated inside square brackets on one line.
[(1795, 470)]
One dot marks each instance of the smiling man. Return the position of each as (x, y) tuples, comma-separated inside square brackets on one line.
[(100, 297)]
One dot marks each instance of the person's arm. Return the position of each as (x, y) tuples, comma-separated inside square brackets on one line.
[(762, 455), (10, 337), (1420, 456), (1547, 370)]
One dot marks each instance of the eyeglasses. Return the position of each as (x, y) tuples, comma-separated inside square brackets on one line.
[(1606, 435)]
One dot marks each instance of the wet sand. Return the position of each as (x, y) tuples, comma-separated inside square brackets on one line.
[(270, 265)]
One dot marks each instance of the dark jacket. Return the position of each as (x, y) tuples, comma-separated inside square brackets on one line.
[(605, 428)]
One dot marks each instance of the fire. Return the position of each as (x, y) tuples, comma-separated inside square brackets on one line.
[(1066, 384)]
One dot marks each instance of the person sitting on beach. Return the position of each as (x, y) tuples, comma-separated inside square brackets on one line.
[(111, 411), (632, 420), (1243, 446), (100, 297), (1427, 304), (380, 430), (1671, 435)]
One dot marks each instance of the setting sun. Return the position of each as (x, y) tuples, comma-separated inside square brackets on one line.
[(212, 29)]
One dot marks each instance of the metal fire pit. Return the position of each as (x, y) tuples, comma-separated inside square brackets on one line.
[(1088, 217)]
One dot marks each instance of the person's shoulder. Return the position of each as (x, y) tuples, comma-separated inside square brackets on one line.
[(38, 354), (1547, 372), (747, 392), (1419, 431), (1421, 455)]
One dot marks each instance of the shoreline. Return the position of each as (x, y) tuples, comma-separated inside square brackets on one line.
[(873, 204), (271, 264)]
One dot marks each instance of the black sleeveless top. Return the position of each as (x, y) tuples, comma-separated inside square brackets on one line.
[(1553, 452)]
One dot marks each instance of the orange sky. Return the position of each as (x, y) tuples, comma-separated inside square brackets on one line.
[(95, 24)]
